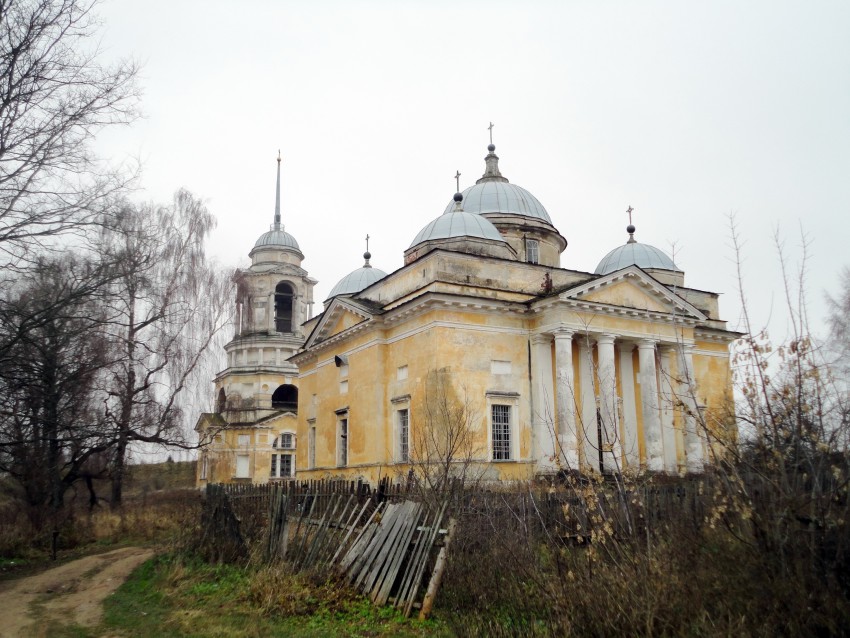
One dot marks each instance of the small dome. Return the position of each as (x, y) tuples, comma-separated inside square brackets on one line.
[(501, 197), (277, 238), (457, 223), (635, 254), (357, 280)]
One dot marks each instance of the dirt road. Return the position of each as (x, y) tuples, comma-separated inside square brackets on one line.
[(70, 594)]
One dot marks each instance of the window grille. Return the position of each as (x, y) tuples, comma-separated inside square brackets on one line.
[(501, 424)]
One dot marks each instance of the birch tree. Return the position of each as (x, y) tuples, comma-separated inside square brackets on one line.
[(168, 306)]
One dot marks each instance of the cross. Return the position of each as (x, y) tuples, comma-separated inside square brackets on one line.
[(367, 242), (278, 156), (457, 179), (629, 211), (491, 132)]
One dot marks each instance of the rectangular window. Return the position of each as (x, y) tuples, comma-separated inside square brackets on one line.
[(287, 441), (204, 467), (283, 466), (311, 447), (532, 251), (342, 442), (242, 466), (287, 469), (401, 373), (404, 435), (244, 439), (343, 387), (501, 432)]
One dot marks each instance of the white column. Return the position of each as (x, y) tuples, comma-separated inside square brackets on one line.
[(543, 403), (631, 448), (588, 430), (270, 325), (668, 428), (260, 355), (566, 400), (688, 396), (611, 444), (649, 406)]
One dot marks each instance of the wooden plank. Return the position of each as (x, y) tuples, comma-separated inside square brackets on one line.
[(437, 577), (372, 553), (420, 568), (394, 563), (363, 538), (351, 527), (387, 552)]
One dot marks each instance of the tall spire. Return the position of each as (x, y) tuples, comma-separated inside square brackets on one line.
[(277, 225)]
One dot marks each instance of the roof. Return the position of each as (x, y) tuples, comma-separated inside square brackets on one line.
[(501, 197), (277, 237), (457, 223), (357, 280), (635, 254)]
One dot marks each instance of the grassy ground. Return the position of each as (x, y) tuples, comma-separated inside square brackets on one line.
[(171, 596)]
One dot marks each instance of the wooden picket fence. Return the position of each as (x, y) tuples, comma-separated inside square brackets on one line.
[(381, 542), (386, 542)]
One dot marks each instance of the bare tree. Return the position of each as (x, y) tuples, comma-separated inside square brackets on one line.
[(168, 306), (54, 97), (51, 423), (444, 448)]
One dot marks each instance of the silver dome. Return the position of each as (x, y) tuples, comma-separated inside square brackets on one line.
[(277, 238), (455, 223), (635, 254), (357, 280), (501, 197)]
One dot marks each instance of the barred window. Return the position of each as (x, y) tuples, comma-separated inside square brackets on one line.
[(404, 435), (501, 424)]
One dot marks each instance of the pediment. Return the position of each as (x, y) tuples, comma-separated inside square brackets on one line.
[(339, 317), (631, 288)]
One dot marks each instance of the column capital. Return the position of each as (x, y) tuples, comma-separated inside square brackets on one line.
[(645, 344), (562, 332), (541, 338), (686, 348), (606, 339)]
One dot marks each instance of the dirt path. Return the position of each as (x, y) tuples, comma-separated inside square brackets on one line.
[(70, 593)]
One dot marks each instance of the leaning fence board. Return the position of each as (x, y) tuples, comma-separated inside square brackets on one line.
[(385, 581)]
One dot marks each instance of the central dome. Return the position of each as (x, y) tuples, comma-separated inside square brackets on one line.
[(493, 193), (502, 197)]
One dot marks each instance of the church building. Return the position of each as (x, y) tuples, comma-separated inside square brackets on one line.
[(481, 354)]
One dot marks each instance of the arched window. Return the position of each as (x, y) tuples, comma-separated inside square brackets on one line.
[(285, 398), (221, 404), (286, 441), (283, 296)]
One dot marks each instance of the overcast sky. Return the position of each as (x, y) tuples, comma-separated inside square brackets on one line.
[(689, 112)]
